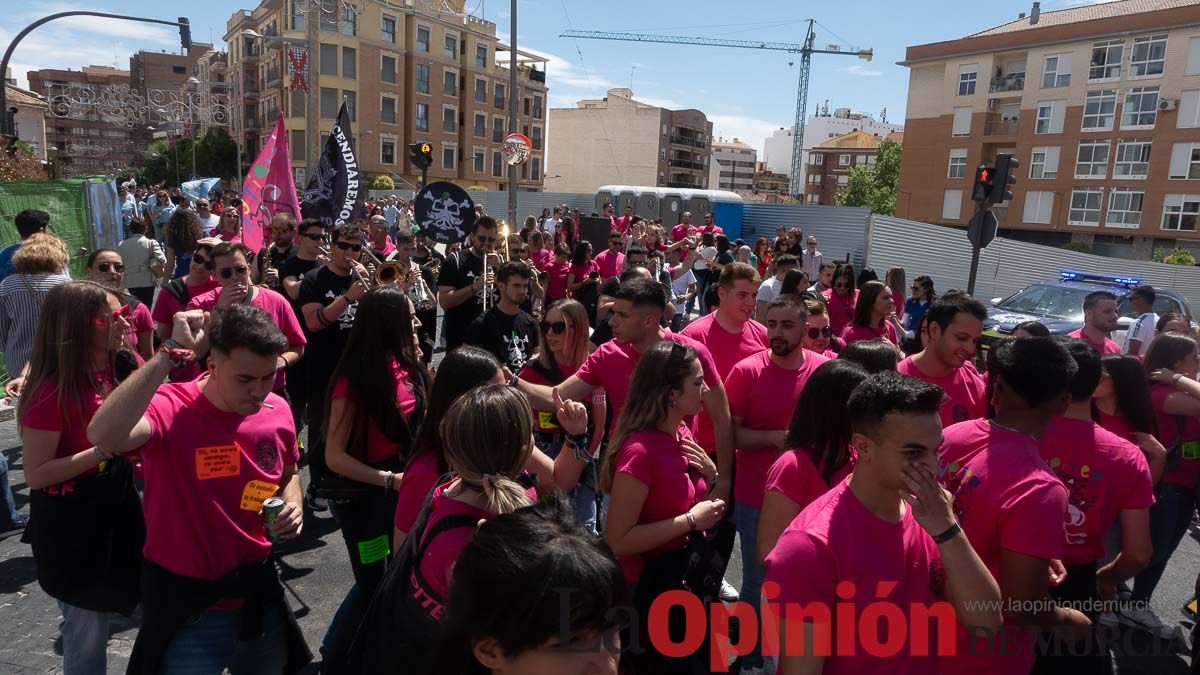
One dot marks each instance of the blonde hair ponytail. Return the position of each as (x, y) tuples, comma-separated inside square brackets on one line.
[(487, 440)]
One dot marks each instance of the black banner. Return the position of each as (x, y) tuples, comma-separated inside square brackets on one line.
[(444, 212), (335, 192)]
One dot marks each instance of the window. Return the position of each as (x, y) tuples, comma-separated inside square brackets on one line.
[(967, 74), (349, 21), (537, 107), (449, 83), (1085, 207), (422, 39), (1050, 115), (477, 161), (480, 125), (1133, 159), (449, 120), (952, 205), (1106, 60), (1188, 116), (480, 91), (1098, 110), (481, 56), (1056, 71), (1147, 57), (1180, 212), (298, 14), (814, 179), (1039, 207), (499, 102), (843, 160), (422, 78), (526, 110), (497, 169), (387, 110), (817, 159), (1124, 208), (349, 63), (843, 180), (1193, 57), (329, 103), (389, 29), (497, 129), (535, 168), (1092, 160), (387, 152), (451, 50), (958, 163), (449, 154), (1043, 163), (351, 104), (299, 103), (329, 57), (422, 117), (1185, 161), (298, 145), (536, 138), (962, 121), (387, 69), (1140, 109), (329, 15), (179, 70)]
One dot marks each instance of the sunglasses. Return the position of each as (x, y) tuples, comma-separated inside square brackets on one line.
[(558, 327), (314, 236), (106, 266), (487, 240), (638, 263), (198, 259), (349, 247), (124, 313), (814, 333), (228, 272)]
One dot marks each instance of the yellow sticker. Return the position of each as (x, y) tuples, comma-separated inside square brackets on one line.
[(218, 461), (255, 493), (546, 420)]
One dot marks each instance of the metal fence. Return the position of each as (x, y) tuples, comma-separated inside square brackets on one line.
[(841, 231)]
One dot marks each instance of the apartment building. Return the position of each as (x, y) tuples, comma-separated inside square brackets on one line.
[(830, 163), (732, 166), (1101, 105), (416, 71), (825, 125), (167, 72), (618, 140), (76, 136), (29, 118)]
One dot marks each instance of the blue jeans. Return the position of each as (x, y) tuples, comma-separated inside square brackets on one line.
[(1169, 519), (8, 508), (583, 496), (208, 644), (745, 519), (84, 640)]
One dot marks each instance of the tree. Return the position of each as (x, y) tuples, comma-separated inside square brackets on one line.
[(383, 182), (1179, 256), (874, 186), (216, 157), (22, 164)]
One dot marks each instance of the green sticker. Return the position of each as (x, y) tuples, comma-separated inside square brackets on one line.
[(374, 550), (1191, 450)]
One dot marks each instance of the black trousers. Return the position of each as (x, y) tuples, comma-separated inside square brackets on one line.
[(1055, 657)]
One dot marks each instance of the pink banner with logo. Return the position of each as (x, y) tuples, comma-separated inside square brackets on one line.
[(269, 189)]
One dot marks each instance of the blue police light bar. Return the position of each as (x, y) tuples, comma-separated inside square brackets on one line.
[(1068, 275)]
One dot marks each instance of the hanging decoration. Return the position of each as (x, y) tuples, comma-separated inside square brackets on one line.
[(298, 68)]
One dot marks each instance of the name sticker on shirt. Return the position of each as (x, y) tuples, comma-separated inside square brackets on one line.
[(1191, 450), (546, 419), (255, 493), (218, 461)]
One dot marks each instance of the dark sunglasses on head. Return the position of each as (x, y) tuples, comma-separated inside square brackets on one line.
[(106, 266), (198, 259), (558, 327), (349, 247), (814, 333), (228, 272), (315, 236)]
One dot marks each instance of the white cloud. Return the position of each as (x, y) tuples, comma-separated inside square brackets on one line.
[(861, 71), (660, 102), (749, 130), (563, 73)]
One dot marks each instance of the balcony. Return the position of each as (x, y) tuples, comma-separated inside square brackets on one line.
[(996, 126), (251, 124), (250, 89), (274, 78), (687, 164), (218, 62), (251, 53), (1010, 82), (682, 184), (688, 140)]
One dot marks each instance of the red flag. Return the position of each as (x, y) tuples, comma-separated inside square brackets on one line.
[(269, 188), (187, 129), (171, 140)]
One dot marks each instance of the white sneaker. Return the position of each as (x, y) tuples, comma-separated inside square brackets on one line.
[(1147, 621), (728, 593)]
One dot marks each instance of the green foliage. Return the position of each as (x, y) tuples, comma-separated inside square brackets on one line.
[(1077, 246), (216, 157), (1178, 256), (22, 164), (875, 186), (383, 182)]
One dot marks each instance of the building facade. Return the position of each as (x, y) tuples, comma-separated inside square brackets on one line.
[(84, 144), (166, 72), (617, 140), (829, 165), (408, 73), (777, 148), (732, 165), (1101, 106), (29, 118)]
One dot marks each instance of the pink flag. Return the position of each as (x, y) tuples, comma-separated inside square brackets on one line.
[(269, 189)]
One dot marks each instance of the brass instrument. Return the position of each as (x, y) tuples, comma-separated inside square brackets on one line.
[(386, 272)]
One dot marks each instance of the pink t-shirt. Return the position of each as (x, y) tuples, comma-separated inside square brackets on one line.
[(1104, 474), (438, 561), (207, 475), (966, 392), (556, 281), (419, 477), (1107, 347), (840, 311), (622, 224), (727, 349), (227, 236), (1118, 425), (139, 322), (379, 447), (275, 305), (681, 231), (541, 259), (42, 412), (837, 539), (853, 333), (763, 395), (166, 306), (611, 366), (581, 273), (387, 249), (796, 477), (1005, 498), (610, 265), (714, 229), (1188, 471), (654, 459)]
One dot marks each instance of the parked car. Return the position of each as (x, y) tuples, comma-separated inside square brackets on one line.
[(1058, 305)]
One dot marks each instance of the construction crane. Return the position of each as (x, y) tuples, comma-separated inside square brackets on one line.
[(805, 51)]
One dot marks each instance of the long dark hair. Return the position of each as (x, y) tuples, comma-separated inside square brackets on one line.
[(1132, 392), (461, 371), (844, 270), (793, 282), (819, 423), (866, 304), (579, 254), (382, 331)]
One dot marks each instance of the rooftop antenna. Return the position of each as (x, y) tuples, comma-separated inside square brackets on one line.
[(883, 116)]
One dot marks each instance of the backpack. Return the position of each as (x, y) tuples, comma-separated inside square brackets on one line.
[(178, 290)]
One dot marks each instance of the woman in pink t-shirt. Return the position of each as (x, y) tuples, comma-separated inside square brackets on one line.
[(583, 271), (819, 454), (841, 297), (229, 228), (556, 274), (870, 322), (539, 255), (659, 480), (87, 552), (1122, 404), (106, 267), (819, 336)]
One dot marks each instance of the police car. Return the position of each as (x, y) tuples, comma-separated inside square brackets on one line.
[(1058, 305)]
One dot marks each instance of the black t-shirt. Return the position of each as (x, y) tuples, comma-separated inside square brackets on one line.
[(277, 258), (421, 259), (323, 286), (458, 271), (724, 257), (512, 339)]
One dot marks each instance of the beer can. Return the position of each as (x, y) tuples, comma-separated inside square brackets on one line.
[(271, 509)]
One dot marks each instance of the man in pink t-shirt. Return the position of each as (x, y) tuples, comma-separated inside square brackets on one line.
[(710, 226), (684, 228), (214, 450), (1011, 505), (622, 224), (612, 261), (1099, 321), (955, 327), (889, 526), (762, 390)]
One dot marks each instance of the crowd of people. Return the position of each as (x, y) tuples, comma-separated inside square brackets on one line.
[(598, 433)]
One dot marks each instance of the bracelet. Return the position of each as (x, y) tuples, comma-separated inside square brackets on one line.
[(178, 355), (579, 443), (716, 477), (691, 521), (1178, 377), (949, 534), (100, 456), (389, 480)]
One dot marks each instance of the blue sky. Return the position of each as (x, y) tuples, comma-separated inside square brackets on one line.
[(746, 93)]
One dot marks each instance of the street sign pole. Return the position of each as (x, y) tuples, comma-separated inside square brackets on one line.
[(980, 232)]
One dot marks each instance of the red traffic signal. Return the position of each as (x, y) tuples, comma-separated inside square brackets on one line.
[(983, 183)]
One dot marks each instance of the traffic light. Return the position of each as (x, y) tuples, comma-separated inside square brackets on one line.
[(421, 155), (1004, 178), (185, 33), (983, 183)]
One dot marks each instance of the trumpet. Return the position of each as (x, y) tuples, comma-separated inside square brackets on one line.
[(485, 294)]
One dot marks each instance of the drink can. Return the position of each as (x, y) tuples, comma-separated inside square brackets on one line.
[(271, 509)]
